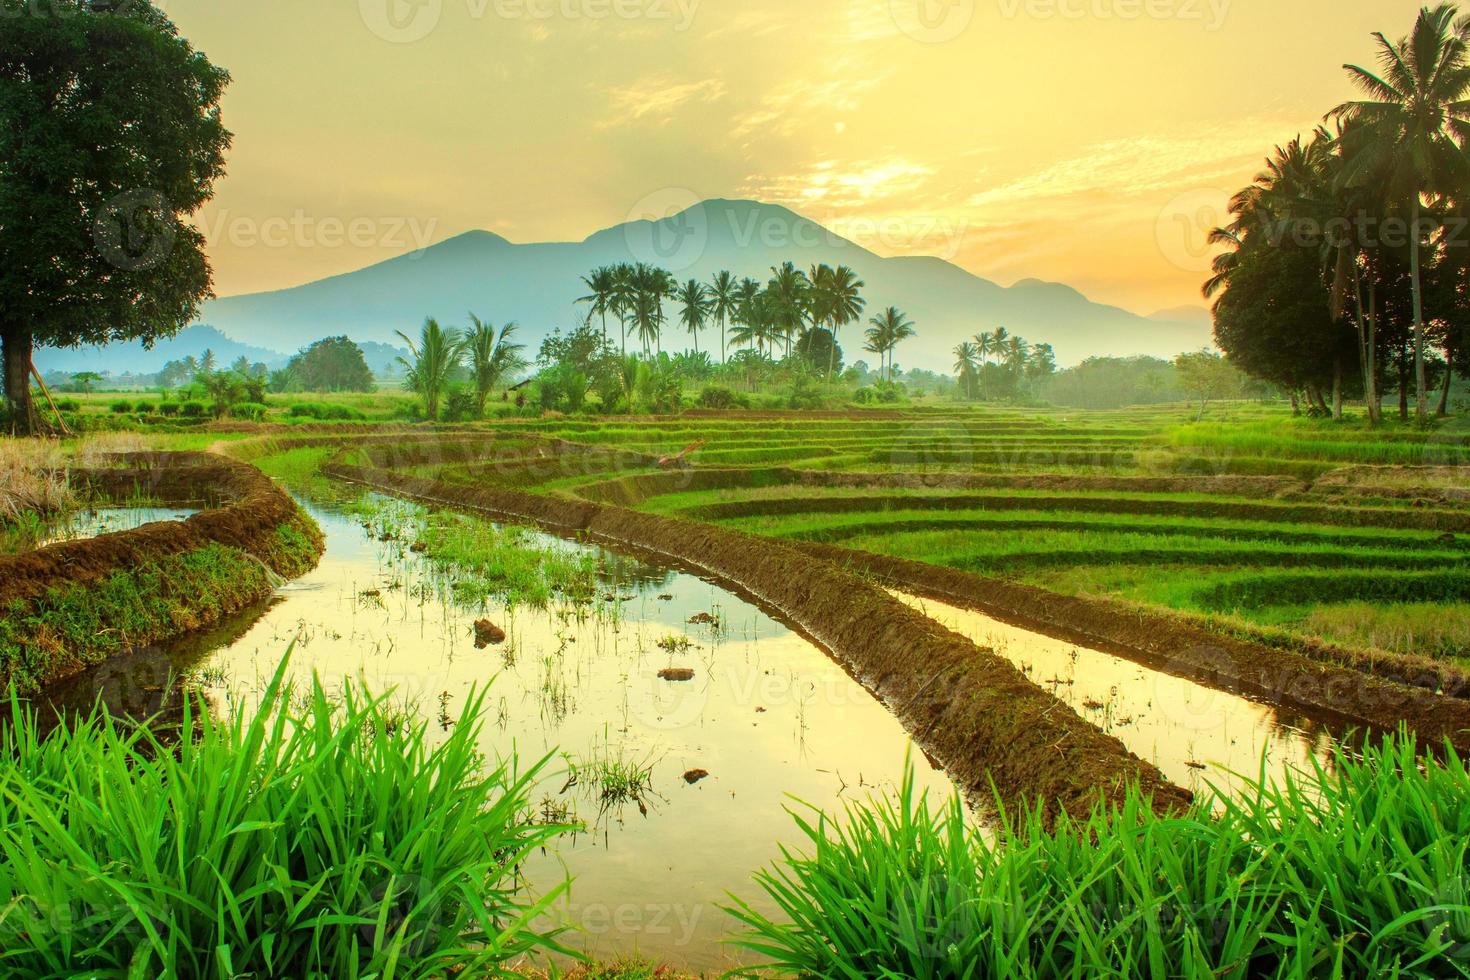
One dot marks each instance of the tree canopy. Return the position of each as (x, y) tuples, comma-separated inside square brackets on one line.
[(110, 137)]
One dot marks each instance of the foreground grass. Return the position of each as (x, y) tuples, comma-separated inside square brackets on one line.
[(301, 843), (1358, 869)]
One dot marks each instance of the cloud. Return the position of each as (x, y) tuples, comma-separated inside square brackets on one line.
[(658, 98)]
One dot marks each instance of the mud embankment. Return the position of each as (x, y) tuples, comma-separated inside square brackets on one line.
[(1314, 678), (970, 709), (69, 606), (636, 489)]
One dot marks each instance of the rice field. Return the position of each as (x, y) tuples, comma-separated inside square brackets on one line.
[(1326, 530)]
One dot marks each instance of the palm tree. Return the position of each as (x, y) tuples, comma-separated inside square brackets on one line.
[(207, 362), (724, 301), (889, 329), (1015, 355), (984, 346), (624, 291), (788, 287), (845, 304), (435, 356), (694, 299), (1416, 111), (492, 357), (965, 365), (601, 291)]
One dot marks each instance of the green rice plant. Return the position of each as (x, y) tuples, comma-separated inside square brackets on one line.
[(291, 844), (1356, 868)]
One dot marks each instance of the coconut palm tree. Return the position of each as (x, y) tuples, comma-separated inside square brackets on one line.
[(789, 288), (492, 357), (435, 356), (724, 301), (845, 305), (966, 363), (694, 299), (1414, 124), (624, 290), (889, 329), (601, 289)]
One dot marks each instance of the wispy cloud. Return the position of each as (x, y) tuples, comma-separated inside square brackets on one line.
[(658, 98)]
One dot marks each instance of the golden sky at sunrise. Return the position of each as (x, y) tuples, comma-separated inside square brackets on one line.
[(1082, 141)]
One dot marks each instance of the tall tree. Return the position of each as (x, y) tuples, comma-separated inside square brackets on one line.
[(1417, 108), (789, 288), (435, 356), (844, 303), (492, 357), (966, 364), (110, 138), (724, 294), (694, 303), (332, 364), (889, 329), (601, 293)]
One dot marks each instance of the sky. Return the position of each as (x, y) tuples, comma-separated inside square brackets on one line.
[(1091, 142)]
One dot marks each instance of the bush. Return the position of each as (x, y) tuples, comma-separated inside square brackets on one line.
[(461, 405), (168, 409), (1356, 868), (329, 840), (144, 408), (193, 410), (68, 405), (721, 398), (324, 412), (121, 407), (249, 411)]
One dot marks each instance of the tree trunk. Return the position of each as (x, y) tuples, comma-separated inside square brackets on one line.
[(1296, 403), (1371, 392), (1337, 388), (1403, 390), (17, 356), (1421, 387), (1444, 392)]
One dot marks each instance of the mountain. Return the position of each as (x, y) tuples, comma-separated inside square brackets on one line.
[(131, 356), (537, 286), (1196, 315)]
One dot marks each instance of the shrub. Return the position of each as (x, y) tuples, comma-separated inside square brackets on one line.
[(168, 409), (249, 411), (721, 398), (121, 407), (1354, 868), (461, 405), (324, 412), (68, 405), (144, 408), (320, 841), (193, 410)]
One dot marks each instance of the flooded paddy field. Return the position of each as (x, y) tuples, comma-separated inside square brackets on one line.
[(680, 786)]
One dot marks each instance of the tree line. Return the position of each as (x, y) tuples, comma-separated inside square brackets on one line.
[(793, 311), (1346, 263), (1018, 365)]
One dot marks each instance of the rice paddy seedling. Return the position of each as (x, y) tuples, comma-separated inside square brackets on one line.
[(287, 844), (1353, 868)]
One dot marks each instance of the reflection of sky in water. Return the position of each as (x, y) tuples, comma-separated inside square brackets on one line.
[(768, 715), (1194, 734), (95, 523)]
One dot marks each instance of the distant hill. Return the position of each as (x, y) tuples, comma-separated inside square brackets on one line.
[(1196, 315), (131, 357), (537, 285)]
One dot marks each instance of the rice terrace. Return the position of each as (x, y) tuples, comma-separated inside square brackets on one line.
[(748, 588)]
